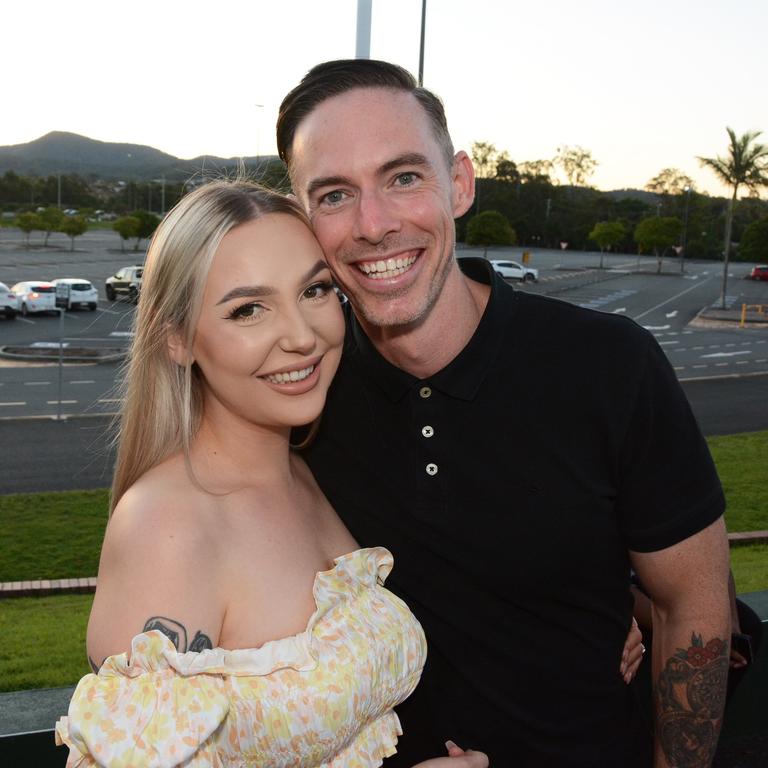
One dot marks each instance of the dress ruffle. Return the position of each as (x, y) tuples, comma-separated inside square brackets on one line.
[(158, 708)]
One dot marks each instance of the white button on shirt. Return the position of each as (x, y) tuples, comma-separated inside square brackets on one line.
[(432, 469), (427, 431), (425, 392)]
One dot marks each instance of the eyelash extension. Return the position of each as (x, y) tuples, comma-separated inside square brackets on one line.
[(238, 313)]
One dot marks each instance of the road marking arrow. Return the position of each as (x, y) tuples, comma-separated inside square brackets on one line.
[(656, 327), (619, 310), (671, 314), (729, 354)]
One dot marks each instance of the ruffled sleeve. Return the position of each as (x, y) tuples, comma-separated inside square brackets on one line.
[(141, 712)]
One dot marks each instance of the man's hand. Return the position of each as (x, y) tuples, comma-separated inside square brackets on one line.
[(458, 758)]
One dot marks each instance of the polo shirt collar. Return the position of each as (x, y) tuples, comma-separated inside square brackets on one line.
[(463, 376)]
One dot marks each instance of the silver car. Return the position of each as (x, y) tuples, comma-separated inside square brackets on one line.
[(511, 270), (35, 296)]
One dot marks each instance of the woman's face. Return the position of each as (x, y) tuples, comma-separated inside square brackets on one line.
[(270, 332)]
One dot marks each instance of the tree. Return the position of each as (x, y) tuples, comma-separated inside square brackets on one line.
[(753, 245), (73, 226), (745, 166), (484, 156), (147, 225), (28, 223), (51, 219), (127, 227), (607, 234), (577, 164), (658, 233), (536, 170), (490, 228), (506, 170), (670, 181)]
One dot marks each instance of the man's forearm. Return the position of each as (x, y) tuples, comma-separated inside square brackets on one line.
[(690, 675)]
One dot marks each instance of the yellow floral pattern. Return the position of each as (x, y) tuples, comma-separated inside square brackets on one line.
[(320, 699)]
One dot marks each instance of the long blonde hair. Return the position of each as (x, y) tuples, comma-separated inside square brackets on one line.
[(162, 401)]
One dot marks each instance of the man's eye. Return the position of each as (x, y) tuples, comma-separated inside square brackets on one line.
[(246, 311), (406, 179), (332, 198)]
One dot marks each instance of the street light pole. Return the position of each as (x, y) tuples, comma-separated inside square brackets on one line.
[(421, 47), (684, 243)]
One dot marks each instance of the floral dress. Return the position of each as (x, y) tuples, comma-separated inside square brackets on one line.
[(321, 698)]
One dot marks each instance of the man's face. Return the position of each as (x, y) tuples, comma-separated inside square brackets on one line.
[(382, 200)]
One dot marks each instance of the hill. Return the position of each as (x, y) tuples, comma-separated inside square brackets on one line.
[(62, 152)]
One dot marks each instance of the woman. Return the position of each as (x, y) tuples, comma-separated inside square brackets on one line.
[(236, 622)]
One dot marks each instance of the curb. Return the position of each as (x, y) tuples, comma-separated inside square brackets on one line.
[(112, 355)]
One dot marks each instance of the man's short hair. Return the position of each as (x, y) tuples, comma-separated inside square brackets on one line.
[(332, 78)]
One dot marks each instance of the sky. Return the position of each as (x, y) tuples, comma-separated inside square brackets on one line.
[(643, 86)]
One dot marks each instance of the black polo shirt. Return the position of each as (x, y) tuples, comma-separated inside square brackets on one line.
[(510, 486)]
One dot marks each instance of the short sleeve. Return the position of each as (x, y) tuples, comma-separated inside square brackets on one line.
[(143, 712), (669, 488)]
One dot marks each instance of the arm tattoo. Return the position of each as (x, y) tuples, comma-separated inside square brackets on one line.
[(177, 634), (690, 696)]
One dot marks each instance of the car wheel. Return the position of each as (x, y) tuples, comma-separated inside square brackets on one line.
[(110, 293), (92, 306), (133, 295), (527, 278), (24, 310)]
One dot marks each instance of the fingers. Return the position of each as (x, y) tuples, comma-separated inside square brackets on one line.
[(470, 758), (453, 749), (737, 660), (632, 654)]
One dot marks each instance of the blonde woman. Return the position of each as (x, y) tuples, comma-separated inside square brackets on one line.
[(236, 621)]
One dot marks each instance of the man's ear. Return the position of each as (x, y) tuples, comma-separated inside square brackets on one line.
[(463, 184), (177, 350)]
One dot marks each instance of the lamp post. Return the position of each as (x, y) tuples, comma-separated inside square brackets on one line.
[(259, 107), (421, 46), (684, 241)]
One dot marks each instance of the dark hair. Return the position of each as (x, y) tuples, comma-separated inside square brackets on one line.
[(332, 78)]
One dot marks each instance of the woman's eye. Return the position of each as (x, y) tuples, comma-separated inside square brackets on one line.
[(247, 311), (318, 290)]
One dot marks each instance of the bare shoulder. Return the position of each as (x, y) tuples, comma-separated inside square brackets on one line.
[(159, 568)]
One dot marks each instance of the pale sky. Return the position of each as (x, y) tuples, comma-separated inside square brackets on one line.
[(642, 85)]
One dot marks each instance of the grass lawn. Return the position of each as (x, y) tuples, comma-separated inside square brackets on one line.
[(43, 641), (55, 535)]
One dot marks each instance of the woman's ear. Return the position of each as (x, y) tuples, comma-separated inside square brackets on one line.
[(177, 350)]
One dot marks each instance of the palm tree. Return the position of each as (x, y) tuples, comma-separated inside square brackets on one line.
[(745, 166)]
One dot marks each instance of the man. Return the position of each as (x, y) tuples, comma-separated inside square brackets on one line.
[(516, 454)]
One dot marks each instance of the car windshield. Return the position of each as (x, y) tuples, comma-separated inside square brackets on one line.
[(139, 272), (81, 287), (43, 288)]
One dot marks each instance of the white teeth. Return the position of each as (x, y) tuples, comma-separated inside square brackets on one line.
[(289, 376), (383, 269)]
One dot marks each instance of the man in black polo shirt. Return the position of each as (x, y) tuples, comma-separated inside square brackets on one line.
[(516, 454)]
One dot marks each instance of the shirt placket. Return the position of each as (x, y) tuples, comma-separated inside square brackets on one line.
[(429, 469)]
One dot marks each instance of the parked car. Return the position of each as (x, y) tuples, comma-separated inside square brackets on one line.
[(125, 282), (9, 304), (760, 272), (35, 296), (511, 270), (79, 293)]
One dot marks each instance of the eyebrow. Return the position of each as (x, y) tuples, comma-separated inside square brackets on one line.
[(267, 290), (407, 158)]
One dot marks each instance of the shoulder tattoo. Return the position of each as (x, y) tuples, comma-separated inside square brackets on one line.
[(690, 696), (176, 632)]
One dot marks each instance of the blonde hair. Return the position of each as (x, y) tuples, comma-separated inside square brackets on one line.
[(162, 401)]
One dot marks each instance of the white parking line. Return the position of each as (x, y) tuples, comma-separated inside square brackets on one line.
[(662, 343), (24, 320), (20, 402), (63, 402), (109, 400), (84, 381), (671, 299), (36, 383)]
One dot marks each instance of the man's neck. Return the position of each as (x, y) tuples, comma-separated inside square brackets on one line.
[(424, 348)]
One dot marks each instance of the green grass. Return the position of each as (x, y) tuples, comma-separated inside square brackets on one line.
[(749, 564), (54, 535), (43, 641), (742, 462)]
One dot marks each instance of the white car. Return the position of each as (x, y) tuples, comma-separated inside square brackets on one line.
[(511, 270), (9, 304), (75, 292), (35, 296)]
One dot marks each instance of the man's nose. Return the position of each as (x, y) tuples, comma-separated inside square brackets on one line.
[(297, 334), (375, 217)]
